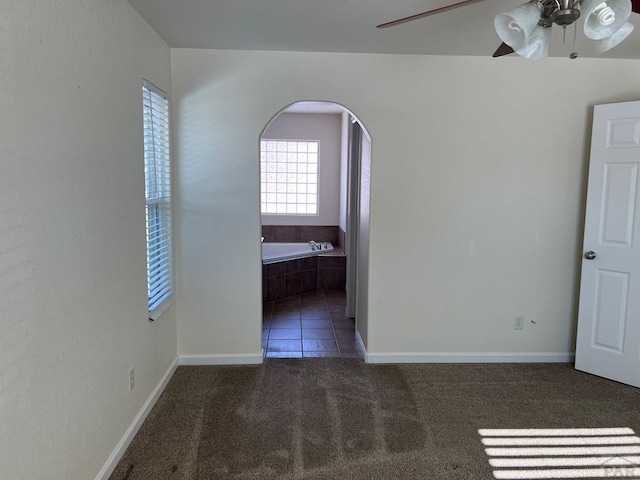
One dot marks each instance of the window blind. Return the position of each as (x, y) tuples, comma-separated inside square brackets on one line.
[(157, 169)]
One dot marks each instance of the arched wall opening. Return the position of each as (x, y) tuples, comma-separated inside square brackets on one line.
[(315, 159)]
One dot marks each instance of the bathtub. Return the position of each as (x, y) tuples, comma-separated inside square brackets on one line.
[(279, 252)]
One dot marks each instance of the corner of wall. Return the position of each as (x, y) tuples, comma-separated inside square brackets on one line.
[(117, 454)]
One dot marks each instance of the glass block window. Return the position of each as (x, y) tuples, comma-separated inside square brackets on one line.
[(289, 177)]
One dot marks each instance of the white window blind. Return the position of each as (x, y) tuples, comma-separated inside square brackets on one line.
[(289, 177), (157, 169)]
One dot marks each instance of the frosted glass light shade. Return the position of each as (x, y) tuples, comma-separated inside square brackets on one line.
[(607, 44), (603, 18), (515, 27), (537, 44)]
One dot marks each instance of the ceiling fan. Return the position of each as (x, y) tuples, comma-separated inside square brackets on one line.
[(526, 29)]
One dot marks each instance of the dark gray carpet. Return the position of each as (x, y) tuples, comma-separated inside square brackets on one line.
[(343, 419)]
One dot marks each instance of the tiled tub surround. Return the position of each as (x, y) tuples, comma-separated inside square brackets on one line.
[(279, 252), (304, 275), (295, 277), (300, 233), (342, 240)]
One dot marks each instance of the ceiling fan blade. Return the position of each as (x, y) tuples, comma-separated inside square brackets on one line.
[(431, 12), (635, 6), (502, 50)]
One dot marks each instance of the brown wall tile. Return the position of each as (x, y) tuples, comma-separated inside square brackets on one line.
[(293, 266), (269, 233), (275, 288), (286, 234), (318, 234), (293, 284), (294, 277), (300, 233), (264, 288), (332, 262), (332, 279), (310, 263), (342, 239), (275, 269), (309, 281)]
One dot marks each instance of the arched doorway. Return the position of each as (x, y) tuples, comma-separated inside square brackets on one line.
[(314, 192)]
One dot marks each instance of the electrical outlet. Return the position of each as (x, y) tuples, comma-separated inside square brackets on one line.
[(132, 379), (518, 322)]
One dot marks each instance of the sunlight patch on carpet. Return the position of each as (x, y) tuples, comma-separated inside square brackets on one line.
[(562, 453)]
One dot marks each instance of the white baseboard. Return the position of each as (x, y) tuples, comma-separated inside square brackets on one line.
[(426, 357), (223, 359), (361, 347), (139, 419)]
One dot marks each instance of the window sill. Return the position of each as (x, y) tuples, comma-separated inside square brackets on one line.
[(157, 312)]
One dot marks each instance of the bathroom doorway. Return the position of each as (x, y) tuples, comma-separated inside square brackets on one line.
[(314, 192)]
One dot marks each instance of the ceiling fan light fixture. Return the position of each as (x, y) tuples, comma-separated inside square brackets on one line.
[(537, 46), (618, 37), (516, 27), (526, 30), (602, 19), (565, 16), (605, 14)]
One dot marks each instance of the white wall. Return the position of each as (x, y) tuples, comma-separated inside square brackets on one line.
[(325, 127), (73, 316), (478, 182), (344, 169), (363, 241)]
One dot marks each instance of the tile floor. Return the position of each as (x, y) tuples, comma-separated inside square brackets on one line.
[(309, 325)]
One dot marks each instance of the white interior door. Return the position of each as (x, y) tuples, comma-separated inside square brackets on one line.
[(608, 341)]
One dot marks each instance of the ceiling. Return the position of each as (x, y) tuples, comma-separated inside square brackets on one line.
[(348, 26)]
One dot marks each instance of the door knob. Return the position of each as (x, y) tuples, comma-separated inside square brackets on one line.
[(590, 255)]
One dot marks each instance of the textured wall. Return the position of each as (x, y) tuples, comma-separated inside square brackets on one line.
[(477, 189), (73, 315)]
